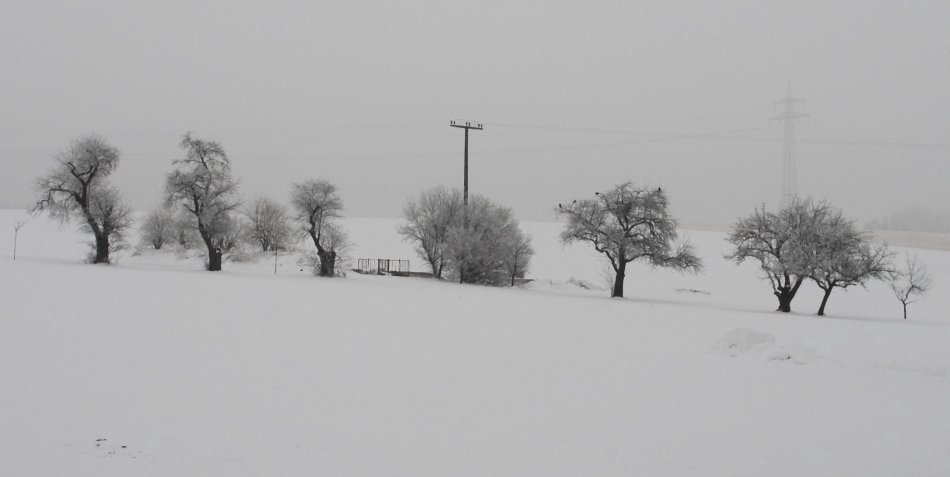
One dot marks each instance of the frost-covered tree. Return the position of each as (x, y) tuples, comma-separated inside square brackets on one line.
[(318, 205), (837, 255), (184, 230), (428, 220), (335, 239), (232, 230), (628, 223), (268, 225), (775, 241), (517, 255), (479, 243), (77, 188), (911, 281), (202, 183), (158, 227), (807, 239)]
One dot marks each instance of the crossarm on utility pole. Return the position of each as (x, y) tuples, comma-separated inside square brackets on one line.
[(466, 126)]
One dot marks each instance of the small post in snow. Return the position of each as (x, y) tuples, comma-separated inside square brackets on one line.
[(16, 233)]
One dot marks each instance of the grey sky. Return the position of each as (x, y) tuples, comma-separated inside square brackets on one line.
[(575, 97)]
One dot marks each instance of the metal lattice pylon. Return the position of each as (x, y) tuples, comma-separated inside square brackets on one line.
[(789, 162)]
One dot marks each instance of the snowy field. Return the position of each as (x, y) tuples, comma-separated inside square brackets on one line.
[(155, 367)]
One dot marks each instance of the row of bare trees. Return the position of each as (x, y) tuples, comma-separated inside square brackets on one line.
[(808, 240), (201, 200), (478, 242), (805, 240), (263, 224)]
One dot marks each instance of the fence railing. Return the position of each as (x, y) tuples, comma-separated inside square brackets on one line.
[(383, 266)]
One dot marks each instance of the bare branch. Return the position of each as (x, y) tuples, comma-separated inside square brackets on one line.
[(626, 224)]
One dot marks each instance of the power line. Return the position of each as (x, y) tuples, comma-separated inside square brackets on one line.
[(664, 137), (613, 131)]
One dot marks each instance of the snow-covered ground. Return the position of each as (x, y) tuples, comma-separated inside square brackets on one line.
[(155, 367)]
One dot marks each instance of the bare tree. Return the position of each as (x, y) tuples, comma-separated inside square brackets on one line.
[(840, 256), (158, 227), (803, 240), (201, 182), (478, 244), (16, 233), (517, 255), (774, 239), (428, 219), (232, 230), (77, 188), (334, 238), (184, 228), (318, 204), (910, 282), (268, 225), (628, 223)]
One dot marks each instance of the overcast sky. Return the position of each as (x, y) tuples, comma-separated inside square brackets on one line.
[(575, 97)]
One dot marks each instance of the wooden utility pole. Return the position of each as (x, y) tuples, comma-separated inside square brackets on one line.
[(466, 126)]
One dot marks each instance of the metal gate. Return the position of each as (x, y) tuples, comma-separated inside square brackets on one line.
[(383, 266)]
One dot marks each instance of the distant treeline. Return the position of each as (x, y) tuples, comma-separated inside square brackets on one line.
[(915, 219)]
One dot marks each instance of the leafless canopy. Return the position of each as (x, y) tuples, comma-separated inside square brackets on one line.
[(517, 255), (317, 204), (77, 187), (428, 220), (201, 182), (910, 282), (628, 223), (807, 239), (772, 240), (839, 255), (479, 241), (158, 227), (268, 224)]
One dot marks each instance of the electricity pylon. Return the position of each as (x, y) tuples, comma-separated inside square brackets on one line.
[(789, 166)]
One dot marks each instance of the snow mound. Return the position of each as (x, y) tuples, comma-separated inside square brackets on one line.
[(743, 341), (570, 284)]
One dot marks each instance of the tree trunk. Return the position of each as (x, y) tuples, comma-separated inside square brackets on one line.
[(618, 280), (214, 252), (101, 237), (784, 299), (102, 249), (905, 310), (327, 262), (214, 259), (327, 257), (786, 294), (436, 269), (824, 300)]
